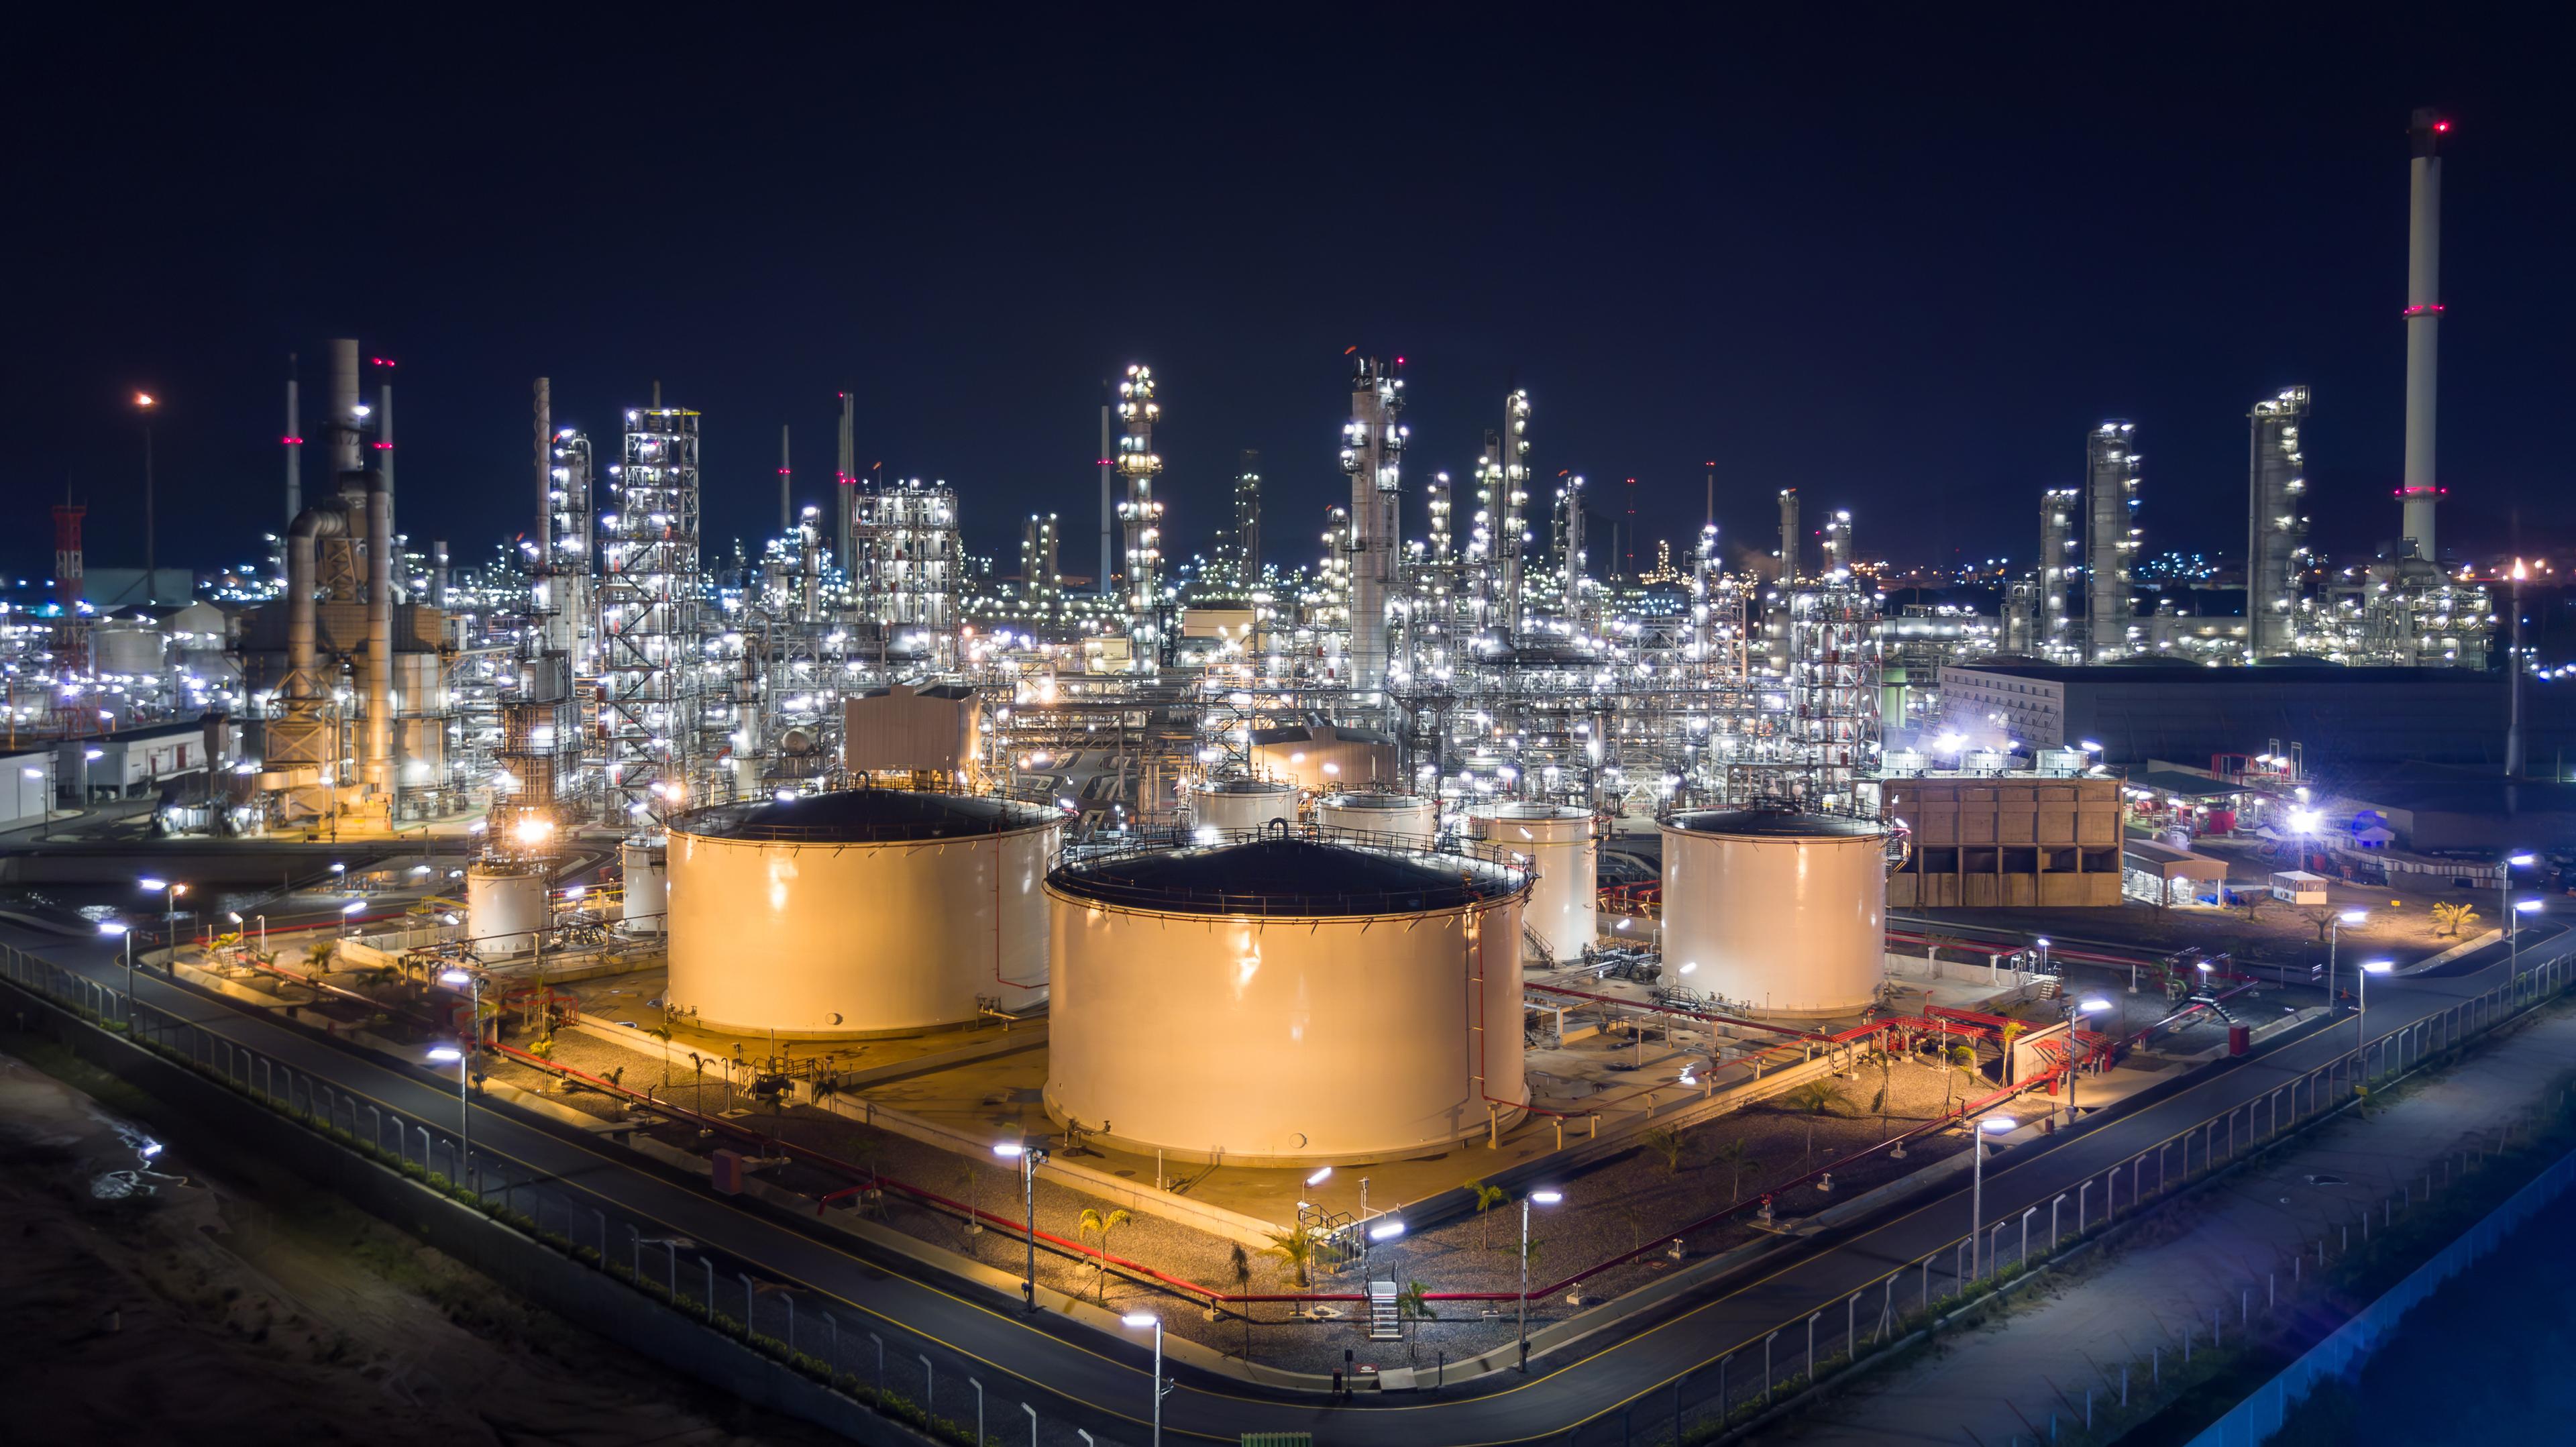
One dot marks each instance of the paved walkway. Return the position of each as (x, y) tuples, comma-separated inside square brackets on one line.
[(2000, 1381)]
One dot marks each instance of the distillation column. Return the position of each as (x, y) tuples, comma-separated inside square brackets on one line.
[(2056, 544), (1789, 539), (2110, 539), (1372, 454), (1143, 516), (2276, 537)]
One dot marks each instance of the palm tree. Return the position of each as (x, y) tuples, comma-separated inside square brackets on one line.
[(1737, 1158), (1294, 1249), (2453, 919), (1093, 1223), (1413, 1304), (1961, 1058), (1666, 1142), (1487, 1198), (1815, 1098)]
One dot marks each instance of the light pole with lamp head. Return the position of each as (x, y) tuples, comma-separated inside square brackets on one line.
[(1140, 1320), (472, 983), (1990, 1125), (464, 1059), (169, 890), (1544, 1198), (1029, 1158), (112, 928), (2361, 1017), (2334, 934), (349, 916), (2504, 895), (2513, 933), (2075, 1012)]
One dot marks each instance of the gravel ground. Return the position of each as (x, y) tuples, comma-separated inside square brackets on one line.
[(1630, 1201)]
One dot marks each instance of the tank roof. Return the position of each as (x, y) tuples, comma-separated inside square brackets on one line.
[(1286, 876), (863, 816), (1248, 786), (1525, 809), (1376, 801), (1776, 824)]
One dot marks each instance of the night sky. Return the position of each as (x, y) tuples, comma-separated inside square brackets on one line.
[(1900, 265)]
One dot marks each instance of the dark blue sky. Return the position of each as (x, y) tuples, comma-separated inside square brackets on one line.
[(1901, 264)]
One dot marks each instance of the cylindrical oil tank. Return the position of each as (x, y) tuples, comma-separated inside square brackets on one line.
[(505, 905), (865, 912), (127, 647), (1781, 912), (647, 865), (1565, 904), (1286, 1001), (1401, 816), (1243, 804)]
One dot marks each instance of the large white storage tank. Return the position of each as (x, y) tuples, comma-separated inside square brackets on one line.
[(1397, 816), (505, 905), (1565, 905), (1779, 912), (1286, 1001), (1243, 804), (646, 864), (866, 912)]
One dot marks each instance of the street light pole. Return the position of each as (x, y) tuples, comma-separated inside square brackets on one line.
[(473, 1044), (2361, 1017), (1993, 1124), (1544, 1198), (1028, 1157), (2504, 893), (1142, 1319)]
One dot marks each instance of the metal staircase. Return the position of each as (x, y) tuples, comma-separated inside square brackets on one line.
[(1385, 1323)]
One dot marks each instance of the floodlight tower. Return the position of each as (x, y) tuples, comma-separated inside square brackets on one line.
[(1372, 454), (1142, 516)]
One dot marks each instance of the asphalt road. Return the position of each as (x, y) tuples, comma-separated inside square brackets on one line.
[(1074, 1376)]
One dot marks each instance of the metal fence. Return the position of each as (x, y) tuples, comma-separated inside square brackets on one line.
[(904, 1376)]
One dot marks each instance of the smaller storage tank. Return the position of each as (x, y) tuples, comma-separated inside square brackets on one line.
[(505, 905), (647, 865), (127, 647), (1777, 911), (1401, 816), (1565, 904), (1243, 804)]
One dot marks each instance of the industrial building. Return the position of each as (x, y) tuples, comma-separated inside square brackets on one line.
[(2142, 711), (2006, 839)]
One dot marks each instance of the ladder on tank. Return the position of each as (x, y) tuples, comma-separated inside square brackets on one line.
[(1385, 1322)]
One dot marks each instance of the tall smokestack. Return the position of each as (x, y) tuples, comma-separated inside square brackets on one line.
[(845, 483), (1108, 508), (786, 505), (348, 413), (384, 420), (2420, 491), (294, 446)]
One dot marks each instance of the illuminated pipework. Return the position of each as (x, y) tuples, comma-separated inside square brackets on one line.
[(649, 587), (1372, 454), (2276, 545), (564, 591), (2110, 539), (1790, 538), (1838, 544), (1515, 476), (1247, 522), (1570, 549), (2056, 546), (1142, 516), (907, 568)]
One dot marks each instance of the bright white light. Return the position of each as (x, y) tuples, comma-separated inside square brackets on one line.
[(446, 1054), (2529, 906), (1009, 1150), (2378, 967), (1141, 1319), (1320, 1177), (1386, 1230), (111, 927), (2521, 861), (1996, 1124), (455, 977), (153, 883), (353, 906), (1546, 1198), (2354, 916), (2304, 821)]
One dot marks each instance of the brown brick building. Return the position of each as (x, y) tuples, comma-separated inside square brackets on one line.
[(1999, 840)]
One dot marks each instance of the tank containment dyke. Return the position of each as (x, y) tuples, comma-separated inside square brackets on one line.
[(1779, 912), (866, 912), (1286, 1001)]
